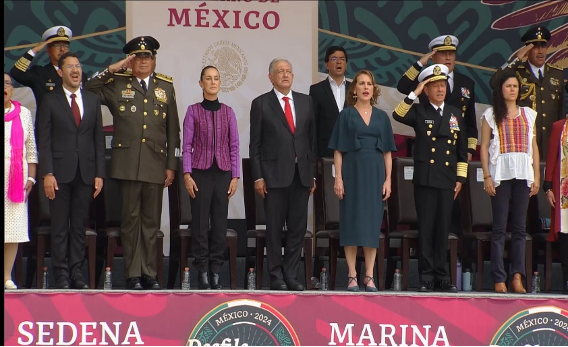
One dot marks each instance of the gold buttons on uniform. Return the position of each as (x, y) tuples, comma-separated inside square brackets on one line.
[(120, 145), (145, 113), (543, 101), (543, 128), (449, 141), (541, 88), (434, 139), (145, 101), (433, 150), (431, 161), (143, 140), (544, 114), (161, 151), (430, 126), (448, 152), (144, 126), (447, 164)]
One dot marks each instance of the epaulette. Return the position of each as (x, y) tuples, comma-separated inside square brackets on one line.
[(127, 73), (555, 66), (164, 77)]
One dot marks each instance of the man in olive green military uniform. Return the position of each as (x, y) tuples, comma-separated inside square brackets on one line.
[(542, 84), (146, 136)]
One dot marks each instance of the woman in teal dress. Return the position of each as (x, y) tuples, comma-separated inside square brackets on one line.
[(362, 141)]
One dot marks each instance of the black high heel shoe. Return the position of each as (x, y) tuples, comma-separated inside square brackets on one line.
[(367, 288), (354, 288)]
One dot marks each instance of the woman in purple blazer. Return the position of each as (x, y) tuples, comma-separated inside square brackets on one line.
[(210, 173)]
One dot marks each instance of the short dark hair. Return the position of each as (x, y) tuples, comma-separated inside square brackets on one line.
[(205, 69), (65, 56), (333, 49)]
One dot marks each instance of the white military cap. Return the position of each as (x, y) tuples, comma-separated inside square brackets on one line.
[(60, 33), (434, 72), (444, 43)]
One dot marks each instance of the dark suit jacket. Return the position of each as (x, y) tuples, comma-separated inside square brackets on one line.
[(462, 97), (440, 155), (62, 145), (41, 79), (273, 148), (326, 113)]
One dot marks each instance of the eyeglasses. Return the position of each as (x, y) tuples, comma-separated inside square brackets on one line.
[(7, 83), (341, 59), (282, 72), (71, 66)]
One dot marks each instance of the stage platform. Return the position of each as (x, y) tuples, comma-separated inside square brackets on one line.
[(315, 318)]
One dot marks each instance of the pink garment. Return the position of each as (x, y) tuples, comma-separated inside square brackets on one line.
[(16, 176)]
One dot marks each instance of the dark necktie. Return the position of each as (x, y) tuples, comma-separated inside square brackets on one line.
[(448, 88), (144, 87), (75, 110), (439, 110), (288, 113), (540, 78)]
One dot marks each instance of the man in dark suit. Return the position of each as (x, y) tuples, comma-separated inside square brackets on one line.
[(440, 169), (44, 79), (282, 149), (146, 137), (71, 146), (329, 97)]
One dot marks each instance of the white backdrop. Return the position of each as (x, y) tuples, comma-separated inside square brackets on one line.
[(241, 45)]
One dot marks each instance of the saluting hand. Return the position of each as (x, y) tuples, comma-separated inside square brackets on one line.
[(123, 64), (420, 87), (522, 54), (426, 57)]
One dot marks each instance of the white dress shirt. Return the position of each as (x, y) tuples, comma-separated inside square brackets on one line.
[(535, 69), (338, 92), (147, 80), (78, 99), (437, 107), (451, 81)]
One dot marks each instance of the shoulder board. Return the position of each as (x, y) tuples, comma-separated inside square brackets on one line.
[(164, 77), (555, 66), (125, 73), (520, 66)]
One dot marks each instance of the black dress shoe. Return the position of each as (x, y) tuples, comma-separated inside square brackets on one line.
[(78, 283), (202, 280), (292, 284), (445, 286), (278, 285), (215, 281), (149, 282), (62, 283), (133, 283), (425, 286)]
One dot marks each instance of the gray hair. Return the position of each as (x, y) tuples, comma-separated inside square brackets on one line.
[(277, 60)]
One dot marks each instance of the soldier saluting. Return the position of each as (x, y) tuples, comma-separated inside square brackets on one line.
[(146, 136)]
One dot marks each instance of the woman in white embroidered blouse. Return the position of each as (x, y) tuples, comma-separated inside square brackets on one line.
[(510, 163)]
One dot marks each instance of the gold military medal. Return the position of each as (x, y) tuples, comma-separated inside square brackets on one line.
[(156, 112), (128, 86), (133, 108), (164, 115), (122, 108), (428, 133)]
